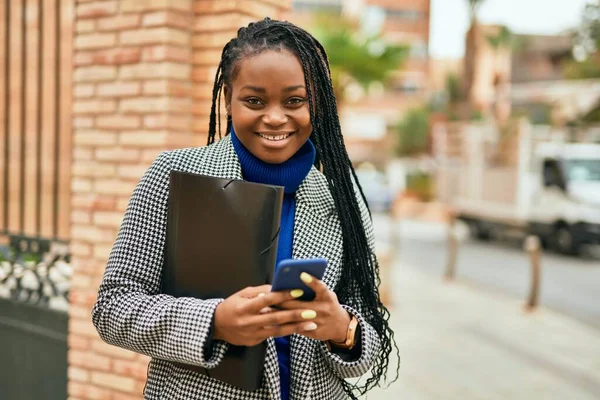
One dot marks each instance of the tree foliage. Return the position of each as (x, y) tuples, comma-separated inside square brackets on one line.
[(474, 6), (586, 69), (353, 58), (586, 46), (504, 38), (587, 38)]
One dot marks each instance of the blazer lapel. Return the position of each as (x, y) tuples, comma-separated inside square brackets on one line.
[(316, 234), (222, 160), (272, 370)]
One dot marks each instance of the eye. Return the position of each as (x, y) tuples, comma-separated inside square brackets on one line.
[(253, 101), (296, 101)]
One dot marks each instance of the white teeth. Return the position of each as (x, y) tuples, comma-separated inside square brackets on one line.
[(275, 138)]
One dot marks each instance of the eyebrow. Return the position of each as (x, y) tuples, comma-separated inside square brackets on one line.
[(263, 90)]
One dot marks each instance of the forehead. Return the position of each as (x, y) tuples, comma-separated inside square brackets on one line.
[(270, 69)]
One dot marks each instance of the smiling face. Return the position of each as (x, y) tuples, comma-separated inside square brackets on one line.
[(268, 104)]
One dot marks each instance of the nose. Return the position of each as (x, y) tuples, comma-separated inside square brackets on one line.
[(275, 117)]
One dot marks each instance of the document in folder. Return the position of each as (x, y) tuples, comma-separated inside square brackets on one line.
[(222, 236)]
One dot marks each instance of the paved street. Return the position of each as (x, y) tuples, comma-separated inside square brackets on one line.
[(569, 284), (463, 341)]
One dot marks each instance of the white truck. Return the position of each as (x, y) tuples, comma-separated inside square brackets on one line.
[(538, 182)]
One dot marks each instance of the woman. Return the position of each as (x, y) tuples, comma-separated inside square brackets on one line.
[(283, 128)]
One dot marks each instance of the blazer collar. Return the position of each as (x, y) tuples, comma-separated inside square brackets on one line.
[(230, 164)]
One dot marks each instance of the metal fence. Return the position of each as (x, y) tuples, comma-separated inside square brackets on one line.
[(35, 165), (33, 326), (35, 118), (33, 344)]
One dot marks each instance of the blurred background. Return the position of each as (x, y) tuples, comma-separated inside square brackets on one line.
[(474, 127)]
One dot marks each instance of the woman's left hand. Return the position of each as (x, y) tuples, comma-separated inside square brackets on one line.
[(331, 320)]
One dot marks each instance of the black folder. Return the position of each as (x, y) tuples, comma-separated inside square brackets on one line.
[(222, 236)]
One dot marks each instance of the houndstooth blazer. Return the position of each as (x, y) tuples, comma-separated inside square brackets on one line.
[(130, 311)]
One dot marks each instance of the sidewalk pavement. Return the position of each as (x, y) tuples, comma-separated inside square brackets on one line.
[(457, 341)]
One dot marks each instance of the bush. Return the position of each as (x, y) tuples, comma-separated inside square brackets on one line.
[(421, 184), (476, 116), (412, 133), (537, 113)]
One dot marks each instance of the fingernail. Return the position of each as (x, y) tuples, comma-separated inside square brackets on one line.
[(261, 294), (311, 326), (306, 278), (309, 314), (297, 293)]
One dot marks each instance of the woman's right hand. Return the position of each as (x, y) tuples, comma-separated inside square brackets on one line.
[(241, 319)]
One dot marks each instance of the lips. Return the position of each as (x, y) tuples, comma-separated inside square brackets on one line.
[(274, 136)]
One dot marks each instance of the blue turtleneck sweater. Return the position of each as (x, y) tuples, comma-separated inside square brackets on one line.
[(290, 175)]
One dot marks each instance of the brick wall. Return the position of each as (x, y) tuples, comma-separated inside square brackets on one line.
[(142, 83)]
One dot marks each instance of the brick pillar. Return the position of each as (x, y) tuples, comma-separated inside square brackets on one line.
[(216, 22), (143, 73)]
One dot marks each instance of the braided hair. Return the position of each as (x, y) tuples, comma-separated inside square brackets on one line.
[(359, 281)]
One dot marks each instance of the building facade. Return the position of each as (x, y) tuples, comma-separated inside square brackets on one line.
[(540, 57)]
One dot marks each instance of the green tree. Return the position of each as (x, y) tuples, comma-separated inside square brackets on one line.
[(353, 58), (453, 97), (474, 6), (586, 47), (586, 69), (504, 38), (587, 37), (454, 89), (593, 115), (587, 44)]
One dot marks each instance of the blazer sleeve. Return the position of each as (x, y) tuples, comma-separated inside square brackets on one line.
[(130, 312), (356, 364)]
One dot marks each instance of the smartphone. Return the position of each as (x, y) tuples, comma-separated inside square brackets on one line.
[(287, 275)]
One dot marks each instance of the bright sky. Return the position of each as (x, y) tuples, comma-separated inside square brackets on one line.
[(449, 20)]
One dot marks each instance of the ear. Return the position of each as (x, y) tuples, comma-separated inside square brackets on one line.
[(227, 93)]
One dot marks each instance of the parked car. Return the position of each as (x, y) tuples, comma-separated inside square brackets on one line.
[(376, 188)]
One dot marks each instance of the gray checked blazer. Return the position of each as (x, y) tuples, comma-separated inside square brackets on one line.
[(130, 311)]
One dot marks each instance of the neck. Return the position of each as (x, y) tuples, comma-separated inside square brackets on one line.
[(288, 174)]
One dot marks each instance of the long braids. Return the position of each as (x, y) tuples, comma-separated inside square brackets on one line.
[(358, 285)]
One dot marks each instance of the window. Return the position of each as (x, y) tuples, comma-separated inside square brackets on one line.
[(418, 50), (583, 170), (332, 6), (408, 15), (406, 86), (552, 174)]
